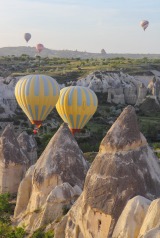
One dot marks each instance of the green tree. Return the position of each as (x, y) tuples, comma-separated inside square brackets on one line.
[(4, 203), (41, 234), (7, 231)]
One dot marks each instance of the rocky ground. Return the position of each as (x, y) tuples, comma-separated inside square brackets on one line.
[(118, 196), (125, 168)]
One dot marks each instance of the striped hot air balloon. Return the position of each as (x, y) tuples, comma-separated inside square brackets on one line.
[(37, 95), (144, 24), (76, 105)]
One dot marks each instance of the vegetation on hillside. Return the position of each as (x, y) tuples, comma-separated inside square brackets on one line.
[(66, 70), (7, 230)]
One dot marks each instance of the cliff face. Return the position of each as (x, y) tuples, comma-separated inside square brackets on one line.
[(151, 224), (29, 146), (121, 88), (53, 183), (7, 98), (13, 163), (140, 218), (124, 167), (132, 217)]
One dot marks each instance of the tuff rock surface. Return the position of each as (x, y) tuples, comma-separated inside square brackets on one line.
[(29, 146), (121, 88), (131, 218), (124, 168), (153, 233), (139, 219), (13, 162), (53, 183), (8, 103), (152, 220)]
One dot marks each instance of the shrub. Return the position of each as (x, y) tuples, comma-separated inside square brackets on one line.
[(40, 233), (4, 203), (19, 232), (65, 209), (16, 123), (5, 208), (7, 231)]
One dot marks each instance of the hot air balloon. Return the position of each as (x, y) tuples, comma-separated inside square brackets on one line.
[(37, 95), (27, 36), (76, 105), (144, 24), (39, 47)]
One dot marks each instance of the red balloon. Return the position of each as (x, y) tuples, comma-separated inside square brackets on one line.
[(35, 131), (39, 47)]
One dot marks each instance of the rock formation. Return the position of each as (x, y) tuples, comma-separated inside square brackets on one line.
[(154, 233), (53, 183), (140, 218), (131, 219), (154, 87), (29, 146), (121, 88), (149, 105), (7, 98), (13, 163), (103, 52), (142, 92), (152, 219), (124, 168)]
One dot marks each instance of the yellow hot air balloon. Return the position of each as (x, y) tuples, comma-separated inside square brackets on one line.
[(37, 95), (76, 105)]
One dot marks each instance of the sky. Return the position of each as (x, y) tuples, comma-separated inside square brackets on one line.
[(83, 25)]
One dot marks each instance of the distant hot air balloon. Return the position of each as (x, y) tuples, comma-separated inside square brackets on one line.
[(27, 36), (144, 24), (76, 105), (39, 47), (37, 95)]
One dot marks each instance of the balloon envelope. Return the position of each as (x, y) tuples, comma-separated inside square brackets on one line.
[(76, 105), (39, 47), (144, 24), (37, 95), (27, 36)]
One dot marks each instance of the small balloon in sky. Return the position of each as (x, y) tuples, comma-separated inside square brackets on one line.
[(39, 47), (144, 24), (27, 36)]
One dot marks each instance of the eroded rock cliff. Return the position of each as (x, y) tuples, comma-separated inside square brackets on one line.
[(53, 183), (124, 168), (13, 162), (29, 146)]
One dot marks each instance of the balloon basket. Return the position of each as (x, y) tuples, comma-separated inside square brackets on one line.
[(73, 131)]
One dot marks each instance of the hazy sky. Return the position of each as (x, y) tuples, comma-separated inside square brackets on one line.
[(85, 25)]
